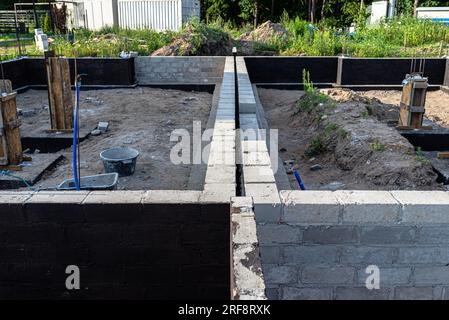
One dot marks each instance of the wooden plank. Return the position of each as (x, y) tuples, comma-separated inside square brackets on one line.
[(57, 93), (60, 94), (66, 94), (11, 126), (443, 155), (11, 167), (50, 94)]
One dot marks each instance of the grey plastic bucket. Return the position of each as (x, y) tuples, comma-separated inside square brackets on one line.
[(120, 160), (107, 181)]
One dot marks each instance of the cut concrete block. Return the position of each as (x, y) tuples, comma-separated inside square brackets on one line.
[(221, 157), (310, 207), (256, 159), (101, 197), (242, 205), (14, 197), (254, 146), (58, 197), (368, 206), (258, 174), (217, 193), (171, 196), (244, 229), (267, 205), (220, 174), (423, 207)]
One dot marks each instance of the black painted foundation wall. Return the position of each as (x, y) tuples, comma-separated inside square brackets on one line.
[(388, 71), (262, 70), (124, 251), (289, 69), (100, 71), (354, 71)]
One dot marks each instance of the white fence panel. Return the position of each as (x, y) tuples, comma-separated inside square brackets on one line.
[(150, 14)]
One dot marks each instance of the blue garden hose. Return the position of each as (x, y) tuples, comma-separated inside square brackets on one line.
[(298, 178), (75, 135), (9, 174)]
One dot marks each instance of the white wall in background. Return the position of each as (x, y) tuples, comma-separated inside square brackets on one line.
[(138, 14), (435, 13)]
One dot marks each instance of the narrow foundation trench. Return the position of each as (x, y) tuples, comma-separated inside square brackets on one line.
[(354, 143)]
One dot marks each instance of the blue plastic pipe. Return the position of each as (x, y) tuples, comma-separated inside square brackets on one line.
[(75, 137), (298, 178)]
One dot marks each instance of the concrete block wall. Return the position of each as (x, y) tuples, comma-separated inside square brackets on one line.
[(127, 244), (258, 177), (323, 242), (219, 184), (179, 70)]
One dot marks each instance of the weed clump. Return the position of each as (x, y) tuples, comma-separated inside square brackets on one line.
[(420, 157), (377, 146), (313, 100)]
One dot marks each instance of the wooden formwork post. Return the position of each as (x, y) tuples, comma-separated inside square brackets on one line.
[(59, 93), (413, 101), (10, 143)]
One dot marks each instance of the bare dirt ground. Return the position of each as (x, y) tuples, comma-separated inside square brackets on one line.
[(437, 103), (346, 139), (141, 118)]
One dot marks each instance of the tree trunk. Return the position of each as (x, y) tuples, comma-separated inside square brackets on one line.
[(256, 13), (273, 2), (322, 9), (312, 11), (415, 6), (309, 9)]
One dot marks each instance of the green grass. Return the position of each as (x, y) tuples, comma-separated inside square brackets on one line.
[(110, 42), (401, 37)]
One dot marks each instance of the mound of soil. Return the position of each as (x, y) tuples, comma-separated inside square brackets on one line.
[(265, 32), (350, 140), (197, 42)]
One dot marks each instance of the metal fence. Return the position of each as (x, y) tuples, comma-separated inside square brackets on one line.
[(25, 20), (154, 14)]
